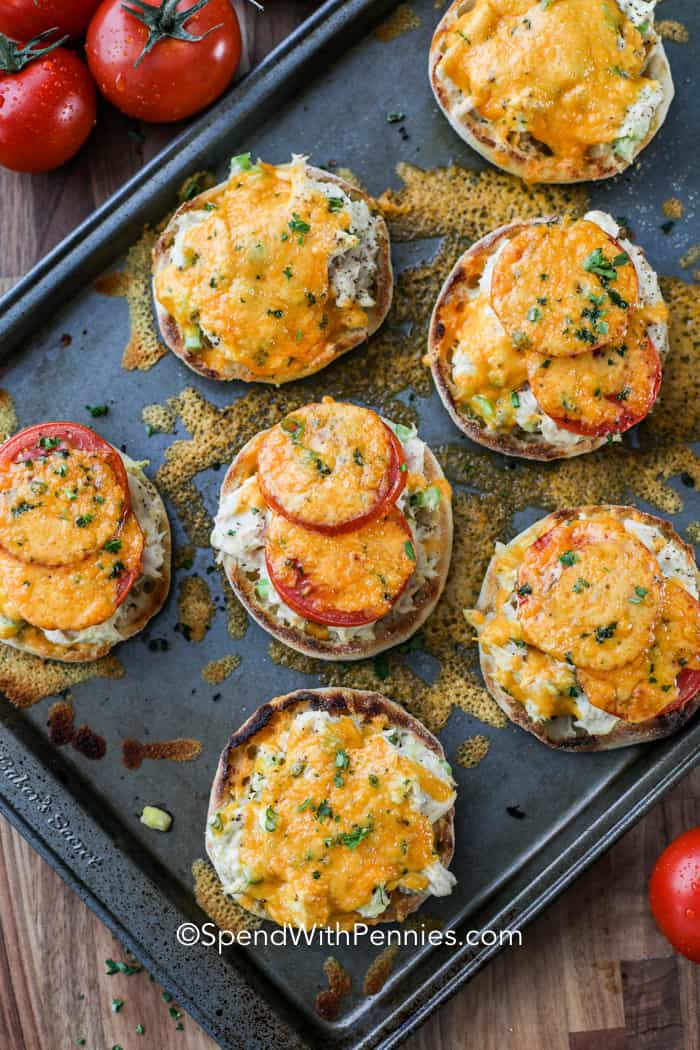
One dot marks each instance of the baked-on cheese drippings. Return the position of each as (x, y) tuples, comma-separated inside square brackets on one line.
[(252, 283), (335, 823), (596, 633), (564, 73)]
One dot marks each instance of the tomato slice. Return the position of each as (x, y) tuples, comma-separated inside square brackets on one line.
[(642, 688), (64, 492), (563, 288), (73, 597), (345, 580), (688, 686), (674, 893), (589, 592), (606, 391), (331, 467)]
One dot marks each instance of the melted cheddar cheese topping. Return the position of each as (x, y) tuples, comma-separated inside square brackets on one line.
[(647, 685), (552, 310), (563, 288), (56, 508), (334, 822), (574, 598), (74, 596), (358, 574), (327, 464), (562, 73), (491, 368), (583, 615), (251, 280)]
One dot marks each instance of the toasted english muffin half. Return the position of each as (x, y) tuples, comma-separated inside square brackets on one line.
[(484, 375), (239, 536), (345, 783), (145, 599), (482, 59), (547, 694), (273, 274)]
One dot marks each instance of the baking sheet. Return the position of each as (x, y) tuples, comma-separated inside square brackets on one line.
[(325, 93)]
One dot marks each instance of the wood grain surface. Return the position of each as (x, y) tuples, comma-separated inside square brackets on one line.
[(593, 973)]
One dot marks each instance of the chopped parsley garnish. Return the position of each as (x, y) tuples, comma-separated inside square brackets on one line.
[(297, 225), (603, 633), (338, 779), (534, 314), (275, 313), (288, 272), (580, 585), (112, 967), (568, 558), (525, 589), (617, 299), (520, 340), (49, 442), (336, 203), (597, 263), (117, 1005), (374, 780), (270, 819), (342, 759), (23, 507), (323, 810), (304, 805), (381, 667), (353, 838), (316, 874), (639, 595), (409, 549), (117, 569), (113, 546), (97, 410), (515, 399), (357, 457), (84, 520)]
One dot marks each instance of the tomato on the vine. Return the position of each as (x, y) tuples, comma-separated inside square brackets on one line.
[(25, 19), (674, 893), (48, 104), (162, 60)]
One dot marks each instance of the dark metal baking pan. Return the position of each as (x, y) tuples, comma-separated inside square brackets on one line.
[(325, 92)]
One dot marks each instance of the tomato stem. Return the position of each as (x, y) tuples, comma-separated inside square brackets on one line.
[(14, 58), (164, 20)]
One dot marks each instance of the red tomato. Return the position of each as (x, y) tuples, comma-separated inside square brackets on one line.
[(34, 442), (47, 106), (157, 61), (688, 683), (674, 893), (24, 19)]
